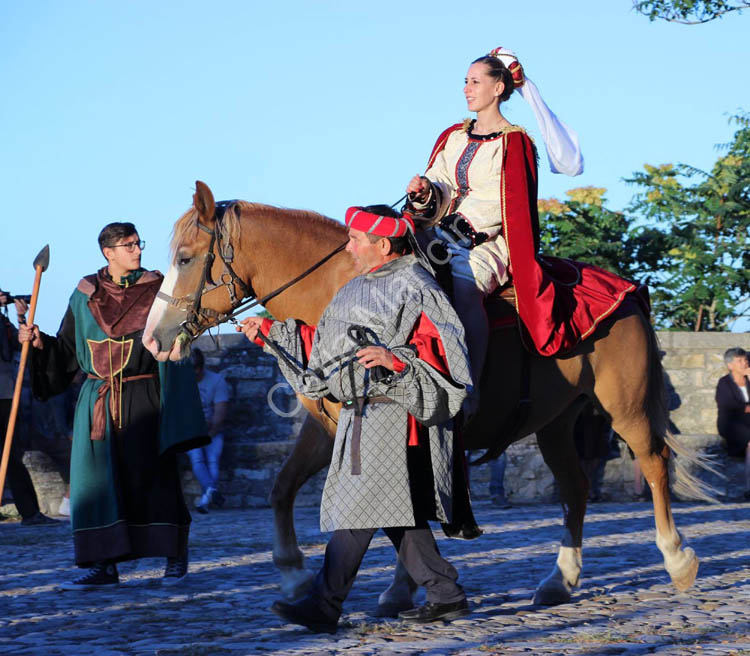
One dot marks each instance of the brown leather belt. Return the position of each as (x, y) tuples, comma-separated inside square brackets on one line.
[(359, 403), (99, 422)]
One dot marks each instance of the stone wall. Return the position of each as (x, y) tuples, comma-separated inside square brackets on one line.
[(265, 418)]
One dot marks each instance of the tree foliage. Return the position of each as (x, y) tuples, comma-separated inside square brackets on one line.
[(686, 234), (688, 12), (706, 221), (582, 228)]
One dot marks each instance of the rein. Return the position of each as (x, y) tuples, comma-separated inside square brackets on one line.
[(191, 303)]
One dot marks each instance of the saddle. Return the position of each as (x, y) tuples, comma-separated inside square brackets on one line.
[(501, 307)]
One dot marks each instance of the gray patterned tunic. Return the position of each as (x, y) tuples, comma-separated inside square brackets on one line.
[(389, 302)]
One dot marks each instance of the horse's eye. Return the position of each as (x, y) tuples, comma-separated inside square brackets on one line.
[(183, 261)]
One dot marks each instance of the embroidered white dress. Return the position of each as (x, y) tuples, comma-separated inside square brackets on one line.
[(467, 173)]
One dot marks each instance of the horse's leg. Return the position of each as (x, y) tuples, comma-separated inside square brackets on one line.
[(558, 450), (312, 451), (681, 563), (399, 595), (639, 414)]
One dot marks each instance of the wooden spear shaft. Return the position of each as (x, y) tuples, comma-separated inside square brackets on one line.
[(40, 265)]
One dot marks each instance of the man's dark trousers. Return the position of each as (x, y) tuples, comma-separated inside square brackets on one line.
[(19, 480), (416, 549)]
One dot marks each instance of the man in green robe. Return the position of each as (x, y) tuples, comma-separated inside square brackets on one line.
[(133, 415)]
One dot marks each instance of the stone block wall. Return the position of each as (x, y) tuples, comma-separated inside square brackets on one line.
[(264, 419)]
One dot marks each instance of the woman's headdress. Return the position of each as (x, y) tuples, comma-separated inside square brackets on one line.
[(561, 143)]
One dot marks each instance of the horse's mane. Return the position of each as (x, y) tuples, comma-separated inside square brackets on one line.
[(184, 230), (186, 227)]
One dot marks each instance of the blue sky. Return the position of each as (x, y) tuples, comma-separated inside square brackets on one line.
[(111, 110)]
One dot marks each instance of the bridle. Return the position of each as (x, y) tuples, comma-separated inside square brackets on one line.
[(199, 318)]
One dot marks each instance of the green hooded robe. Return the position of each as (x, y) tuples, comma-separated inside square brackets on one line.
[(125, 494)]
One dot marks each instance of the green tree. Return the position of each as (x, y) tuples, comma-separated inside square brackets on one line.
[(707, 217), (582, 228), (688, 12)]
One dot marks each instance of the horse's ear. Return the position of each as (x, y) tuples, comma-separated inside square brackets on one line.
[(203, 201)]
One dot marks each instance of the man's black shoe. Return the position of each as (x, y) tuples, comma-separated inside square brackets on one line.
[(432, 612), (39, 519), (305, 614)]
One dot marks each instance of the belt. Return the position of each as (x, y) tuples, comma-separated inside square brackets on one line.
[(359, 403), (114, 383)]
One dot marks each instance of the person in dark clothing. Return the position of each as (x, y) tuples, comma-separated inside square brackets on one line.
[(18, 477), (44, 427), (733, 404), (591, 434)]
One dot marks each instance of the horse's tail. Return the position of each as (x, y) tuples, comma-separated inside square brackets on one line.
[(686, 460)]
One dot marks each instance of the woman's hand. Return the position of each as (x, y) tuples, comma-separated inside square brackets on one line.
[(375, 356), (250, 326), (30, 334), (418, 189)]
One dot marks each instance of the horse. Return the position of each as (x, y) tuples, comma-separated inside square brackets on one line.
[(290, 260)]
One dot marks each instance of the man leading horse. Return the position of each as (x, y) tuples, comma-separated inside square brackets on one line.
[(390, 347)]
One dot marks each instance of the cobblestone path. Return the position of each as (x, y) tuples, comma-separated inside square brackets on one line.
[(625, 604)]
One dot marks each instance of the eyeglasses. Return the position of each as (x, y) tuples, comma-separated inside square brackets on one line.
[(130, 246)]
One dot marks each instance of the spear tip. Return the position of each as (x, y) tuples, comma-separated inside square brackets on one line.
[(42, 259)]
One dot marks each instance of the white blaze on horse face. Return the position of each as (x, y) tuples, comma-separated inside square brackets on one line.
[(155, 315)]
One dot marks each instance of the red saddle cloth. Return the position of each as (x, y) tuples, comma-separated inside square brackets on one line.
[(575, 299)]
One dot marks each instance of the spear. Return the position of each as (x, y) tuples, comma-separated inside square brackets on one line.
[(41, 262)]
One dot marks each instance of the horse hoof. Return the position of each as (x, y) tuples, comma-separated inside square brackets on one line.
[(551, 593), (685, 577), (391, 610), (295, 583)]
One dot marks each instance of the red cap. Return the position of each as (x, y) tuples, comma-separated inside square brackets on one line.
[(375, 224)]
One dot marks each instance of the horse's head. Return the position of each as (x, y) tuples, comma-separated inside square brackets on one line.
[(203, 283)]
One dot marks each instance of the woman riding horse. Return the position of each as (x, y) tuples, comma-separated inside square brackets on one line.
[(480, 191)]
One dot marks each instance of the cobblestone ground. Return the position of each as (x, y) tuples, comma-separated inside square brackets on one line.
[(625, 605)]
